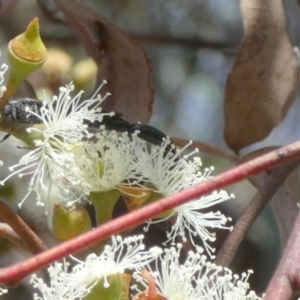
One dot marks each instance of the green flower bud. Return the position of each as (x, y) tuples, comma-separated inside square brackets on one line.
[(118, 288), (68, 222), (26, 53), (84, 74)]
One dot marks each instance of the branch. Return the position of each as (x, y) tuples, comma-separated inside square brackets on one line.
[(7, 232), (268, 161), (265, 193), (29, 239), (52, 14), (186, 42), (286, 280)]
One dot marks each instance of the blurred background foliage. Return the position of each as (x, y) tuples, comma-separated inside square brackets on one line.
[(192, 45)]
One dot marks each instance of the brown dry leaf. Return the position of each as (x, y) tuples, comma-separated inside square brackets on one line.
[(262, 83), (121, 61)]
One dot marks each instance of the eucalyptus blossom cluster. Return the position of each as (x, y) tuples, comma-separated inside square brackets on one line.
[(195, 278), (97, 273), (77, 158), (107, 276)]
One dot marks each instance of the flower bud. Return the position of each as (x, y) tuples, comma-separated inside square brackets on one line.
[(84, 74), (26, 53), (115, 287), (68, 222)]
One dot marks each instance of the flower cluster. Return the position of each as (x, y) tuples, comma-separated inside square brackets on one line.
[(74, 153), (171, 173), (116, 259), (61, 130), (195, 279)]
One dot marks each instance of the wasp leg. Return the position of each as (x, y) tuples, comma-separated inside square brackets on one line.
[(23, 148), (5, 137)]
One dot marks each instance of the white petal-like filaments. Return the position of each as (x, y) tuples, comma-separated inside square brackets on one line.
[(3, 70), (196, 278), (119, 257), (192, 221), (62, 129), (110, 161), (169, 171)]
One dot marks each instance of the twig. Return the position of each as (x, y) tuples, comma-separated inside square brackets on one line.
[(286, 280), (134, 218), (29, 239), (206, 148), (186, 42), (270, 186), (7, 232)]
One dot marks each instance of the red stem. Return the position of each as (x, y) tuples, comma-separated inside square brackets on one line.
[(265, 162), (268, 189), (31, 242)]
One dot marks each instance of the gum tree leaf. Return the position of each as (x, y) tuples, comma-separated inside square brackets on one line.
[(262, 83), (121, 60)]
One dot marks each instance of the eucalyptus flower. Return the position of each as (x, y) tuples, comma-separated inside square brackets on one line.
[(62, 129), (110, 161), (195, 279), (116, 259), (170, 172)]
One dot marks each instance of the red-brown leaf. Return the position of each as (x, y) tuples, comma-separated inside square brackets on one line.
[(121, 61), (262, 83)]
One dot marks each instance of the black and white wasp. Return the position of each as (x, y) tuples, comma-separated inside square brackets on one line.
[(17, 110)]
